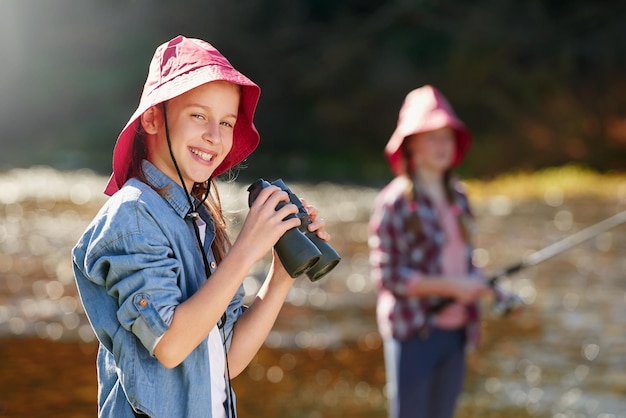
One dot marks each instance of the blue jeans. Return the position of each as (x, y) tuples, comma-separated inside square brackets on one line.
[(425, 375)]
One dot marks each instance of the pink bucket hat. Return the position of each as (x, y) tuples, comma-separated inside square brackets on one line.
[(425, 109), (177, 67)]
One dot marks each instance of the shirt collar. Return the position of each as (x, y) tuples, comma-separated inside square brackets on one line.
[(171, 191)]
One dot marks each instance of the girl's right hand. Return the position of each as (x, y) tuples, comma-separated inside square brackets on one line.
[(264, 225)]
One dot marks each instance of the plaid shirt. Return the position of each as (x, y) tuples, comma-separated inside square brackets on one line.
[(400, 255)]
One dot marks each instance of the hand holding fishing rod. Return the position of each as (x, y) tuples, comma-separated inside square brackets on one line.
[(507, 304)]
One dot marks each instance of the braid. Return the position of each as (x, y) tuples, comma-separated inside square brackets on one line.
[(462, 217), (410, 192)]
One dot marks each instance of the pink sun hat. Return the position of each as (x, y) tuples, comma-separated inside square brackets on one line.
[(425, 109), (178, 66)]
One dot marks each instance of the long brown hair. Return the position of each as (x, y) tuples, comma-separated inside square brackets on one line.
[(410, 173), (222, 241)]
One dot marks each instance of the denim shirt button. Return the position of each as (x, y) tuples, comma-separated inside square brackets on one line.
[(143, 302), (213, 264)]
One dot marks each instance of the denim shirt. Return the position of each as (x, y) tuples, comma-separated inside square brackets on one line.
[(135, 263)]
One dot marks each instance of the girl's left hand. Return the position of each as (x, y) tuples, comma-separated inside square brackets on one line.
[(317, 224)]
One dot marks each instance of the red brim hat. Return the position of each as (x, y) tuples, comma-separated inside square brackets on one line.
[(425, 109), (177, 67)]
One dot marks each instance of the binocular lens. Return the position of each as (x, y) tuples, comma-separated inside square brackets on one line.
[(328, 260), (296, 253)]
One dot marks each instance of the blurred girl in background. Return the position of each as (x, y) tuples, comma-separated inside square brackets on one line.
[(421, 253)]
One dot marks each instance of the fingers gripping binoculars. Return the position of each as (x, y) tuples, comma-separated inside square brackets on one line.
[(299, 250)]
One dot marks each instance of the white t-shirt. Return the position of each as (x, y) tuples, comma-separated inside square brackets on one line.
[(217, 359), (218, 381)]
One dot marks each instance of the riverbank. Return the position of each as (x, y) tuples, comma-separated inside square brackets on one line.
[(562, 358)]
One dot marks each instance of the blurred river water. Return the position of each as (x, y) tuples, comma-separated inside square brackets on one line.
[(564, 356)]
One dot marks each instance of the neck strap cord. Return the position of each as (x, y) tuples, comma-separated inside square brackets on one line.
[(193, 216)]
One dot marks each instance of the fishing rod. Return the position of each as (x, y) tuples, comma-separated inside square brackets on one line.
[(539, 257)]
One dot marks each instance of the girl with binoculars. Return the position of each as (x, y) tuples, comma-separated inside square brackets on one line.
[(159, 279)]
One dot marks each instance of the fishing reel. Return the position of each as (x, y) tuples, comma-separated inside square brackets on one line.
[(505, 305)]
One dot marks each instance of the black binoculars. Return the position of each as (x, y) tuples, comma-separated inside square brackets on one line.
[(299, 250)]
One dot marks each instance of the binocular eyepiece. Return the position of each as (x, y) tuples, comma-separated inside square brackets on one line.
[(299, 250)]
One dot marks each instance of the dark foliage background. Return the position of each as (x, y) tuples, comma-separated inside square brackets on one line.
[(538, 82)]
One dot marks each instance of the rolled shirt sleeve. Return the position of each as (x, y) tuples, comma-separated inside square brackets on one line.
[(137, 269)]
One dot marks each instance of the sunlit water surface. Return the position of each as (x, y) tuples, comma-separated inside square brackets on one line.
[(564, 356)]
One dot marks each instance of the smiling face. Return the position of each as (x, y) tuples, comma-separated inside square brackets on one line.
[(433, 151), (201, 123)]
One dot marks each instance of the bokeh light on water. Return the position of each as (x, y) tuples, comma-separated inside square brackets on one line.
[(41, 220), (563, 357)]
